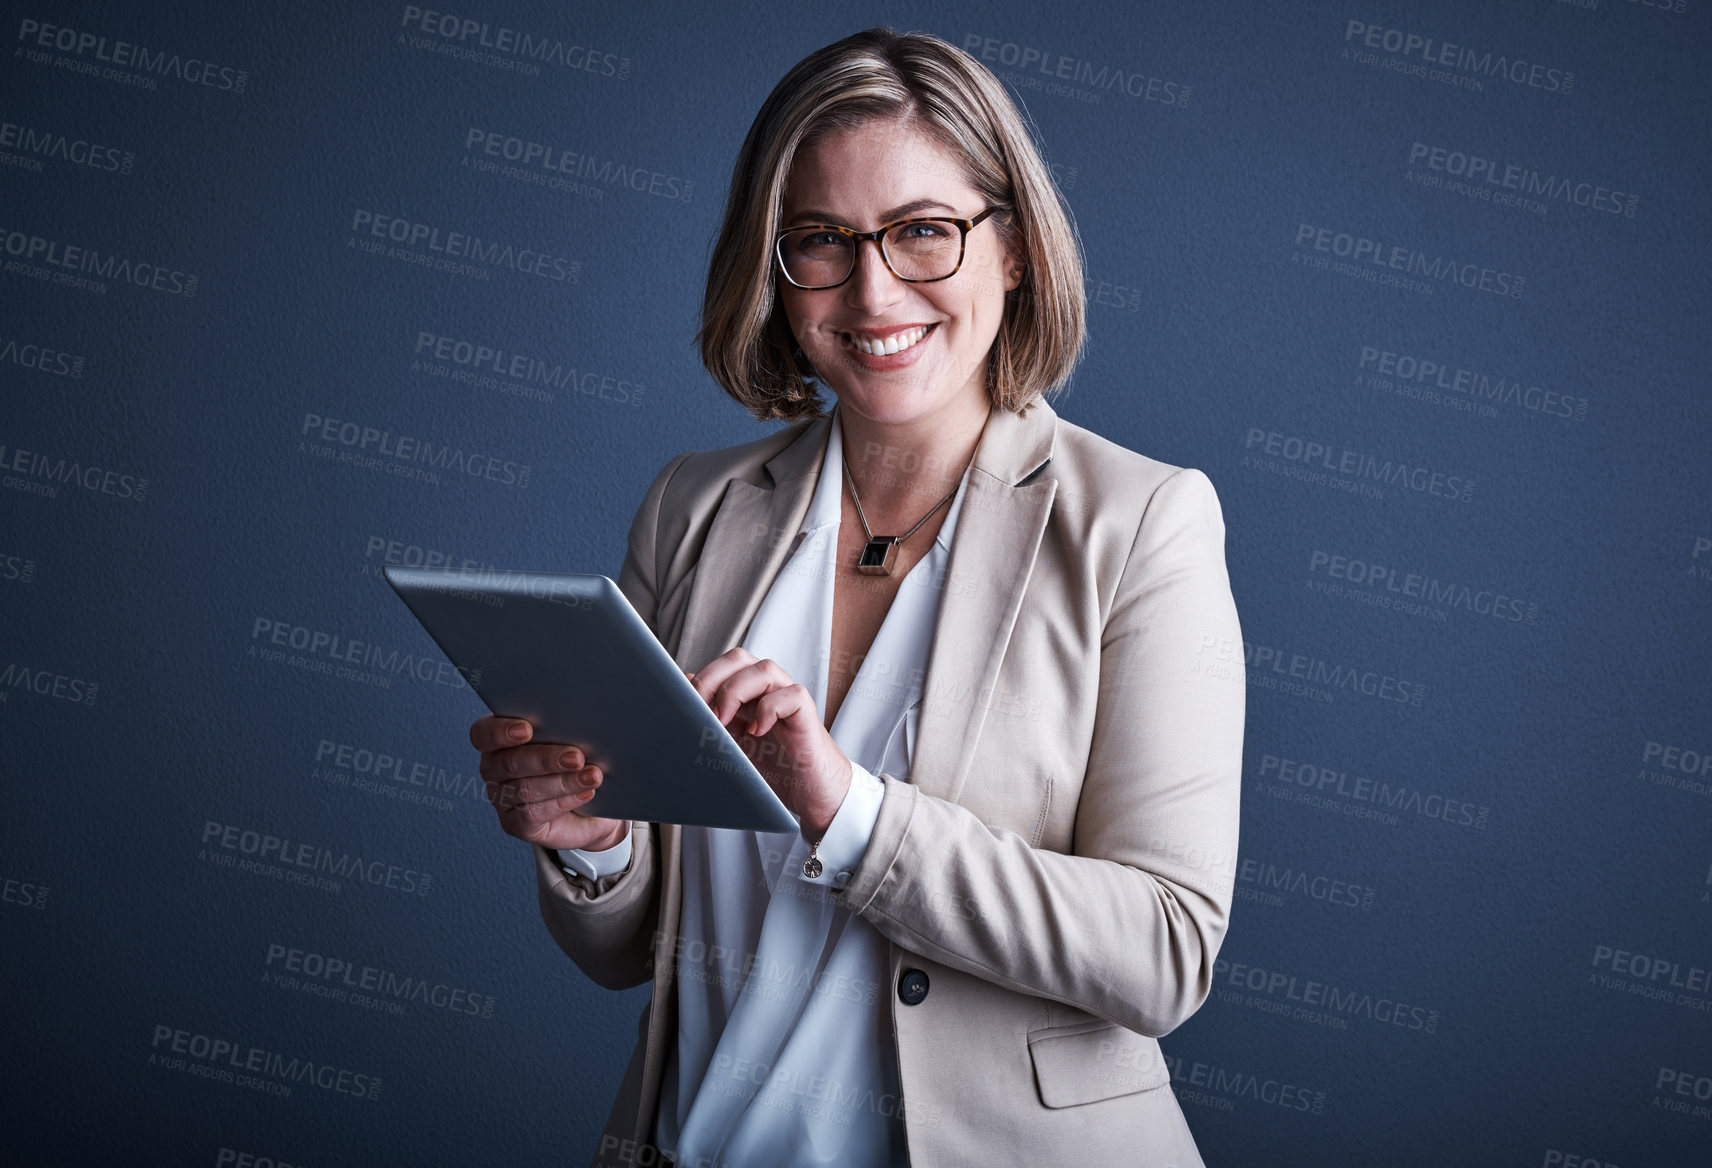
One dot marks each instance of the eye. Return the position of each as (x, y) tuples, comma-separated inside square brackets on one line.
[(923, 231)]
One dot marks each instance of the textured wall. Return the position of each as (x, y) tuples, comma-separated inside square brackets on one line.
[(292, 291)]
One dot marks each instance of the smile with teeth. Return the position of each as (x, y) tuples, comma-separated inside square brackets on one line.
[(886, 346)]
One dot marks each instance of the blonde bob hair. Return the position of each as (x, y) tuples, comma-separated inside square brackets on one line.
[(746, 342)]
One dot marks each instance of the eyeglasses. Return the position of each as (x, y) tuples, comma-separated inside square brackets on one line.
[(822, 255)]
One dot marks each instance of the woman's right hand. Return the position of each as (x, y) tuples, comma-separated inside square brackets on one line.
[(538, 789)]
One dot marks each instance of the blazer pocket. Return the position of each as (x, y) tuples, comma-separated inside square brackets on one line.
[(1088, 1062)]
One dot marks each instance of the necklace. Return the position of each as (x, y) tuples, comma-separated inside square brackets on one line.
[(876, 555)]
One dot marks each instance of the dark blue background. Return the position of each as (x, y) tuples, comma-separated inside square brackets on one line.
[(1206, 326)]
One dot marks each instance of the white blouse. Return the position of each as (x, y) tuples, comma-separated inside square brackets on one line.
[(785, 1053)]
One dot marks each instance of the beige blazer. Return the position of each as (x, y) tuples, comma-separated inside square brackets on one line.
[(1058, 862)]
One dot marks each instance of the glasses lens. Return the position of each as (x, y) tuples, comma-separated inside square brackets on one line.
[(928, 249), (815, 258)]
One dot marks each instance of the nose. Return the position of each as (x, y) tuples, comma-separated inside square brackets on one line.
[(872, 288)]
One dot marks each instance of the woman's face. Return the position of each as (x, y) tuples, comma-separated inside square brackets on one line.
[(863, 178)]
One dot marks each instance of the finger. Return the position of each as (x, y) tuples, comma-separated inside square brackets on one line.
[(747, 684), (524, 762), (533, 822), (498, 766), (510, 796), (710, 676), (519, 793), (779, 705), (547, 810), (514, 794), (491, 732), (549, 787)]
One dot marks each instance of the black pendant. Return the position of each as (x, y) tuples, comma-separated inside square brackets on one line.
[(876, 557)]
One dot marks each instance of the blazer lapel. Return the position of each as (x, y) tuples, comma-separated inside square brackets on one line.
[(746, 546), (993, 552)]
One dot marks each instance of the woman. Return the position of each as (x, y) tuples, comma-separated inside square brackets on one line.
[(962, 639)]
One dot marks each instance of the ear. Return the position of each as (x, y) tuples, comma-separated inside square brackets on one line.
[(1016, 264)]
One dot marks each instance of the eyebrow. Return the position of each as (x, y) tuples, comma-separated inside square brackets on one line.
[(904, 212)]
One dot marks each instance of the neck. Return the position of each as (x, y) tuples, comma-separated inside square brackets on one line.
[(901, 469)]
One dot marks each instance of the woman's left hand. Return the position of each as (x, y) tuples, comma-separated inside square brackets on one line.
[(778, 728)]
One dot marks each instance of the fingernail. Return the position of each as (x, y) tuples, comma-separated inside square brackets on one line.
[(570, 760), (518, 731)]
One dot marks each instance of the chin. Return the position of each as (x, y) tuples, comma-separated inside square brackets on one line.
[(892, 404), (892, 397)]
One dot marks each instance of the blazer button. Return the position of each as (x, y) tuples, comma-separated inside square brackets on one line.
[(912, 987)]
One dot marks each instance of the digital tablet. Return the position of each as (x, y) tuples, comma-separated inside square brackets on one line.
[(568, 653)]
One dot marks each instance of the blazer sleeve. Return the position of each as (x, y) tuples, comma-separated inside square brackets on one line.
[(606, 926), (1126, 926)]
